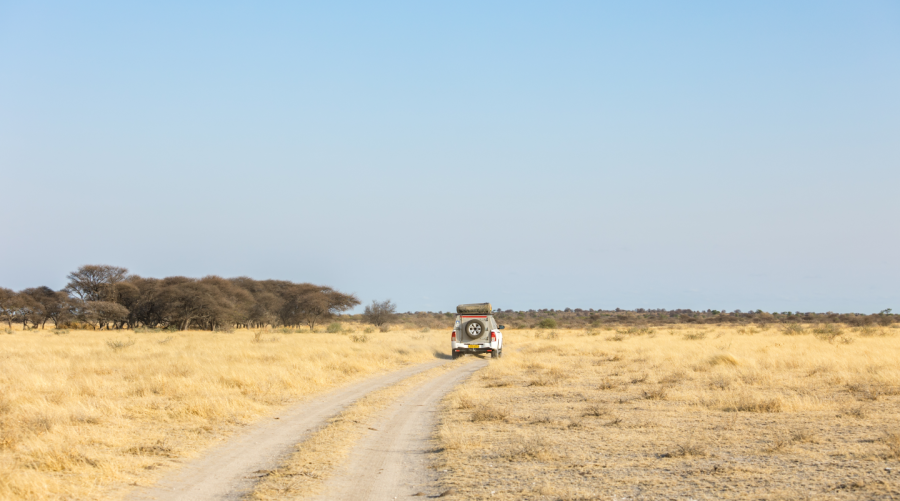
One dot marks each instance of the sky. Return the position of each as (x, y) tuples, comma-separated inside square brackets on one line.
[(703, 155)]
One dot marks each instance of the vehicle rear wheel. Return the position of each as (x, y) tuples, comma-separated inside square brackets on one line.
[(495, 354), (454, 355)]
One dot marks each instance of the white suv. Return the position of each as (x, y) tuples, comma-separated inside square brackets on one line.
[(476, 331)]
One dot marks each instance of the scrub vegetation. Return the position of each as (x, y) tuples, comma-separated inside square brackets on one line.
[(679, 412)]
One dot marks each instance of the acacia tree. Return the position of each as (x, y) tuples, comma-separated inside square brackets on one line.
[(324, 304), (311, 304), (44, 299), (23, 307), (104, 313), (190, 300), (61, 309), (7, 303), (96, 282), (380, 312)]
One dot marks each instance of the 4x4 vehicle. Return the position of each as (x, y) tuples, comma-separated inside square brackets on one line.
[(476, 331)]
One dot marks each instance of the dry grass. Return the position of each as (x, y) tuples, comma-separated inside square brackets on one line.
[(87, 414), (717, 413)]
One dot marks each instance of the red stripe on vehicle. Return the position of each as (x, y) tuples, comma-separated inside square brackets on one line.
[(464, 316)]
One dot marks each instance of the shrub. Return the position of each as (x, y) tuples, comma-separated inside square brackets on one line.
[(827, 332), (369, 330), (868, 331), (489, 414), (118, 344), (635, 331), (359, 338), (334, 327), (547, 323), (793, 329), (385, 328), (380, 312)]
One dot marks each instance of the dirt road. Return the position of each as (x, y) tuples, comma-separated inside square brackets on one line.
[(226, 471), (391, 461)]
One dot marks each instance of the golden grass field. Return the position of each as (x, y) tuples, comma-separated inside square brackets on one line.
[(87, 414), (676, 412), (679, 413)]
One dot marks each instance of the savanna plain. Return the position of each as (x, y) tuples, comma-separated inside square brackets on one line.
[(668, 412)]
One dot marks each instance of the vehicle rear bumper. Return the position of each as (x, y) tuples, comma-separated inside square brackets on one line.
[(472, 350)]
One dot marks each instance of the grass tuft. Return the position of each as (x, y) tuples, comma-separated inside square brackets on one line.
[(119, 344)]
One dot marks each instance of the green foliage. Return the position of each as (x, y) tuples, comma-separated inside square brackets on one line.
[(334, 327), (547, 323)]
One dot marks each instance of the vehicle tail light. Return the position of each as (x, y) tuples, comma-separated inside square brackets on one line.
[(453, 336), (493, 337)]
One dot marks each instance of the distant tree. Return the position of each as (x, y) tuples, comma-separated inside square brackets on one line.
[(104, 313), (189, 301), (96, 282), (62, 309), (7, 305), (23, 309), (44, 303), (380, 312), (310, 304), (328, 303)]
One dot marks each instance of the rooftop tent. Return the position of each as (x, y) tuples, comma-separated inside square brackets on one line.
[(474, 309)]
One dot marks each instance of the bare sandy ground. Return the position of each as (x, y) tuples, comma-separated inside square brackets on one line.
[(227, 471), (391, 462)]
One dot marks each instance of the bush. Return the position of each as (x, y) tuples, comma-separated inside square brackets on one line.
[(793, 329), (547, 323), (334, 327), (380, 313), (385, 328), (119, 344), (827, 332), (369, 330), (359, 339)]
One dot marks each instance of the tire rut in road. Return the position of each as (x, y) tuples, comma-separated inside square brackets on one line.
[(391, 461), (225, 472)]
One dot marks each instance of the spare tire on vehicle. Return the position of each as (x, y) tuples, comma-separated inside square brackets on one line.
[(474, 329)]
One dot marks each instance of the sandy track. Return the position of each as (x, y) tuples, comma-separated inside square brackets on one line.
[(226, 471), (391, 461)]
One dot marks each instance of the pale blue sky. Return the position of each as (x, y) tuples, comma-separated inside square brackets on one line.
[(534, 154)]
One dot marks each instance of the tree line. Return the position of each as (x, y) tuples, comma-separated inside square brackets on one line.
[(104, 296)]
